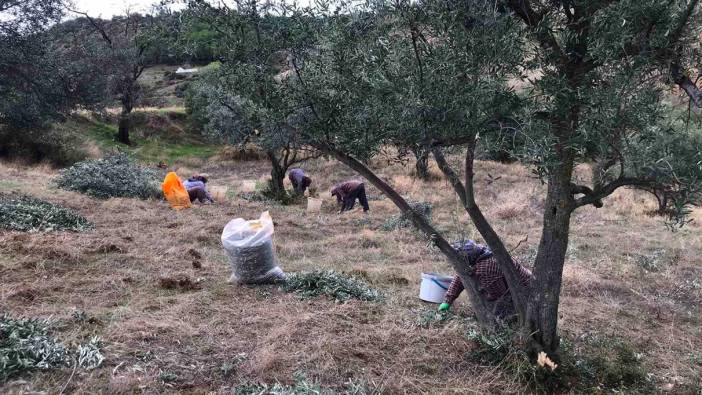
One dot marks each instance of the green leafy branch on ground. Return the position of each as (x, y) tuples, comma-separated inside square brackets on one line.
[(402, 221), (302, 386), (26, 345), (114, 176), (329, 283), (27, 214)]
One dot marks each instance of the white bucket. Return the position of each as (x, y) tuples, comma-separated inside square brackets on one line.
[(314, 205), (434, 287)]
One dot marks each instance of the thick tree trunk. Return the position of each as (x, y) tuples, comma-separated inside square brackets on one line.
[(277, 188), (662, 201), (542, 308), (123, 128), (422, 165)]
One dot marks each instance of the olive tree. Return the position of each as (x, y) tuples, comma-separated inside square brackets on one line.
[(122, 59), (597, 73), (41, 79), (248, 99), (43, 76)]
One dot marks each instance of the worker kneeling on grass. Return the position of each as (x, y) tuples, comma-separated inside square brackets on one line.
[(299, 181), (492, 283), (347, 192), (197, 189)]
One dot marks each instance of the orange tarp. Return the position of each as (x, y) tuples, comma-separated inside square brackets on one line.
[(175, 192)]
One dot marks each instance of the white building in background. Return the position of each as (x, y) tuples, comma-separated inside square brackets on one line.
[(185, 71)]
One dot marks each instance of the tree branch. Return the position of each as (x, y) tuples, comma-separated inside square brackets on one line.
[(534, 20), (595, 196), (587, 191), (465, 194), (97, 26), (676, 71), (480, 307), (685, 83)]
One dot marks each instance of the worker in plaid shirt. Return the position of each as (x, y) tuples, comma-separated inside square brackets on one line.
[(490, 279)]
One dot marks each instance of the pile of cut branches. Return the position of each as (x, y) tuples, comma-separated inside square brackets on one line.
[(28, 214)]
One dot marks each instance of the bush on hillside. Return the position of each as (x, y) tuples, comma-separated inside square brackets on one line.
[(329, 283), (28, 214), (113, 176), (402, 221)]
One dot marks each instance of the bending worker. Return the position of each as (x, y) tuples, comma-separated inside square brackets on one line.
[(299, 181), (197, 190), (486, 270), (347, 192)]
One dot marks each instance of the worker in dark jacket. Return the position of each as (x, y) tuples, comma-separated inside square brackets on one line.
[(347, 192), (491, 281), (299, 181)]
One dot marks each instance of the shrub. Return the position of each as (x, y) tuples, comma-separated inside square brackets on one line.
[(264, 193), (601, 365), (25, 345), (114, 176), (402, 221), (28, 214), (329, 283)]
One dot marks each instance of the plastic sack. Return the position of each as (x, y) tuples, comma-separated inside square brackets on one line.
[(175, 192), (249, 246)]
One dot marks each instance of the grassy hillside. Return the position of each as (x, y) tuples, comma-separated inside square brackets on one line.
[(158, 135), (641, 292), (631, 306)]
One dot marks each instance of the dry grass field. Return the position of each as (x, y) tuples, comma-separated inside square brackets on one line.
[(626, 277)]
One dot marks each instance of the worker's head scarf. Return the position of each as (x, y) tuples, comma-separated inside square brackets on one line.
[(472, 251)]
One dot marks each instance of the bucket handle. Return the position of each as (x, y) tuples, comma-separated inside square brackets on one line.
[(439, 284)]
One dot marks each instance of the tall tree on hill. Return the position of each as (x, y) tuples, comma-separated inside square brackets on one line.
[(123, 59), (40, 79), (248, 99), (598, 73)]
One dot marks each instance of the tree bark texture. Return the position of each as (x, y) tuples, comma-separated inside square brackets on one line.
[(545, 289), (123, 128), (422, 165), (277, 175)]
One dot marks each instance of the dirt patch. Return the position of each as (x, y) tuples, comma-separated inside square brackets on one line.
[(108, 248), (194, 254), (27, 294), (179, 282)]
